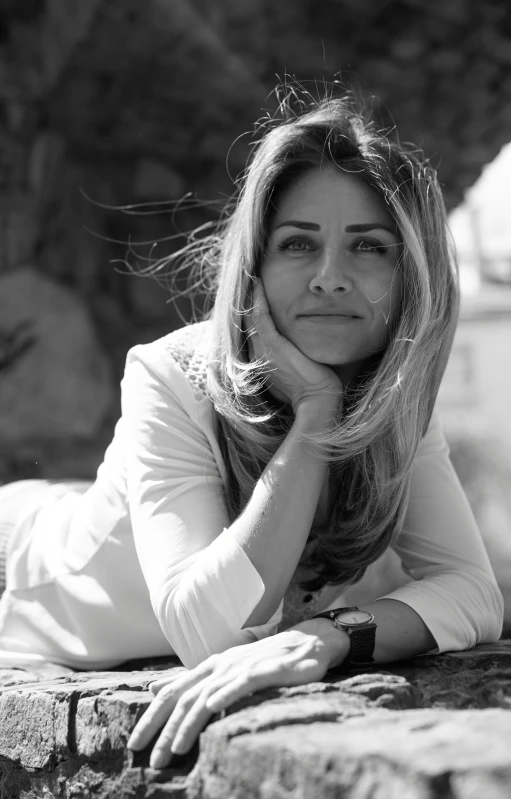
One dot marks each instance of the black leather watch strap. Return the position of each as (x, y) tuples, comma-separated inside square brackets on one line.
[(362, 646)]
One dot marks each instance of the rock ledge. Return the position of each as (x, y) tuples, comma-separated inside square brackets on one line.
[(430, 727)]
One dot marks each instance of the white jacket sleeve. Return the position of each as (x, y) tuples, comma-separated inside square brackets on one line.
[(454, 589), (201, 583)]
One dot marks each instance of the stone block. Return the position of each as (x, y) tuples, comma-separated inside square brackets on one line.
[(429, 728), (413, 754), (103, 723), (34, 728)]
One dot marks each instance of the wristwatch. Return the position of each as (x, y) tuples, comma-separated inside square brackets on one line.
[(361, 628)]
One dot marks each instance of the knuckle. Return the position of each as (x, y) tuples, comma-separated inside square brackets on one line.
[(213, 661), (248, 675), (164, 694), (185, 701)]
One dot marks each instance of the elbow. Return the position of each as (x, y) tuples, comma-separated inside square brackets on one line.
[(486, 612), (495, 616), (196, 627), (180, 630), (467, 609)]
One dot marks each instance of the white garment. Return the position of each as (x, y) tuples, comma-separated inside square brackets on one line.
[(139, 564)]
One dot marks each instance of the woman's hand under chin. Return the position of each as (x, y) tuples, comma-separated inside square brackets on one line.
[(185, 702), (294, 378)]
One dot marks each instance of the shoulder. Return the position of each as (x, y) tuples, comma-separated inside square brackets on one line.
[(179, 359)]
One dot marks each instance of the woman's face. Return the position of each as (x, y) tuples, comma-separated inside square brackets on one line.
[(330, 270)]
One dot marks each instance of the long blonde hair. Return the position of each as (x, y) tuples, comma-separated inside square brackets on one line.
[(372, 448)]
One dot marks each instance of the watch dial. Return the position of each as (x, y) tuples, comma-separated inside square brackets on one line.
[(354, 617)]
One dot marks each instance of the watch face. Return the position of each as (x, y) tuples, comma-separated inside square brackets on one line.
[(354, 617)]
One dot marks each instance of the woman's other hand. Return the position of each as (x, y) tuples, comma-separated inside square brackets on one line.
[(294, 377), (185, 702)]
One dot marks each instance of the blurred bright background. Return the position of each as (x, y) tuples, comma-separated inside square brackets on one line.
[(476, 393), (481, 227)]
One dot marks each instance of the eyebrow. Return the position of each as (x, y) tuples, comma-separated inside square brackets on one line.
[(301, 225), (362, 228), (369, 226)]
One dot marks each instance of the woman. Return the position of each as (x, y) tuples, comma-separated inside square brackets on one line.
[(266, 457)]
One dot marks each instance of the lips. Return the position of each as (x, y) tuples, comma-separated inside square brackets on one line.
[(321, 310), (330, 313)]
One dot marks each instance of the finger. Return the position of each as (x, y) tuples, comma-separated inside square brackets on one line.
[(265, 327), (156, 686), (155, 717), (253, 310), (228, 694), (186, 723), (256, 349), (187, 676), (261, 324), (163, 704), (272, 673), (191, 725), (193, 722), (166, 743), (260, 304)]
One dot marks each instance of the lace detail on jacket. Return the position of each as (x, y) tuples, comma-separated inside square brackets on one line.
[(190, 348)]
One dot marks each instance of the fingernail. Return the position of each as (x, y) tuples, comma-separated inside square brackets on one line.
[(178, 749), (160, 760)]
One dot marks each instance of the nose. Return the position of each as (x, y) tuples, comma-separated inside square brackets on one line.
[(332, 275)]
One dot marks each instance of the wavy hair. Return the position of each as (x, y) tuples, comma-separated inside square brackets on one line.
[(372, 446)]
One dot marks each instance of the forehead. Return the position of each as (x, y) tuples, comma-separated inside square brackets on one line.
[(330, 195)]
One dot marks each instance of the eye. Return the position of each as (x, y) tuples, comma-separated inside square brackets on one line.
[(296, 244), (371, 246)]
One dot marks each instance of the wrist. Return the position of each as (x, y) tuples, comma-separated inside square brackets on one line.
[(317, 415), (336, 643)]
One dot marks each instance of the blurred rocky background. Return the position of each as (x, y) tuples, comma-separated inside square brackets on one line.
[(109, 104)]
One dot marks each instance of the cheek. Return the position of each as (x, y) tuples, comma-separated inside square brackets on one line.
[(278, 287), (384, 293)]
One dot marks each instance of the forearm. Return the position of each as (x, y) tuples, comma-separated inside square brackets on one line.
[(274, 526), (400, 633)]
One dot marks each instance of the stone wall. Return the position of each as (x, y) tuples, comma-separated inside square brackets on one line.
[(430, 728)]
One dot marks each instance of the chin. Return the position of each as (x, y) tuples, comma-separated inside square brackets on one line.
[(329, 358)]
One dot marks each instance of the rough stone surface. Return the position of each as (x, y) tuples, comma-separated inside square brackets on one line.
[(429, 728)]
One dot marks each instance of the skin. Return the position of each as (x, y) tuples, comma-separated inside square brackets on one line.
[(333, 292), (323, 306)]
